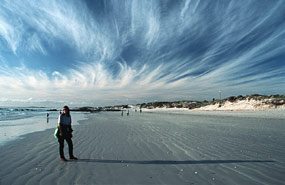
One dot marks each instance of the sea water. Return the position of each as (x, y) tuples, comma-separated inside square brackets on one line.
[(15, 122)]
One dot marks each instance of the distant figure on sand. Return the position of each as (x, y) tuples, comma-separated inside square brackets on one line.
[(128, 113), (65, 133), (47, 117), (122, 113), (140, 110)]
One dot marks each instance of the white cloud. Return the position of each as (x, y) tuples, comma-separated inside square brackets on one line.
[(167, 64), (24, 25), (10, 35)]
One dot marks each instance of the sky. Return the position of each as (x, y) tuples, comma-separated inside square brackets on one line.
[(110, 52)]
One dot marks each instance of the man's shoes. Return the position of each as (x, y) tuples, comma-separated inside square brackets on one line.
[(73, 158), (63, 159)]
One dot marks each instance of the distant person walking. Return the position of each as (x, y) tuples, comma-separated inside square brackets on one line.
[(65, 133), (47, 117)]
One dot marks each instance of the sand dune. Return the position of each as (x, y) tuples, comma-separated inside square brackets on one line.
[(153, 148)]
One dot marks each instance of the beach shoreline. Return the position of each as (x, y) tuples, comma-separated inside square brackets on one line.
[(154, 148), (265, 114), (17, 128)]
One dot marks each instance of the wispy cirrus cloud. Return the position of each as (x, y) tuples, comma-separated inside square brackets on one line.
[(136, 51)]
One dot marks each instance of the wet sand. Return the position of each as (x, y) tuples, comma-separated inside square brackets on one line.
[(153, 148)]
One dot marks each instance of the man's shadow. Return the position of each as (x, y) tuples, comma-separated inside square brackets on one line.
[(168, 162)]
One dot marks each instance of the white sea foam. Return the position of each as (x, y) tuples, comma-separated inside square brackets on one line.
[(17, 121)]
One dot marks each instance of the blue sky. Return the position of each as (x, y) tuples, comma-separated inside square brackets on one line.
[(117, 52)]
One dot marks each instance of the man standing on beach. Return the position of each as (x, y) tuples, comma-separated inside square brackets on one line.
[(65, 133)]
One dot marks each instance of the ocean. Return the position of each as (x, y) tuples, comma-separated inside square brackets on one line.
[(16, 122)]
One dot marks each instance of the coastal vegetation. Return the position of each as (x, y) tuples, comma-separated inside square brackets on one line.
[(267, 101), (274, 101)]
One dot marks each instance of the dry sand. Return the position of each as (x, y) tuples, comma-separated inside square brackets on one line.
[(242, 105), (153, 148)]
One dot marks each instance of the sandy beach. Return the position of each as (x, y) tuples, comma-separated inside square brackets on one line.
[(154, 148)]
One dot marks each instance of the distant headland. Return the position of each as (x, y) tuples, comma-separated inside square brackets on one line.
[(232, 103)]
